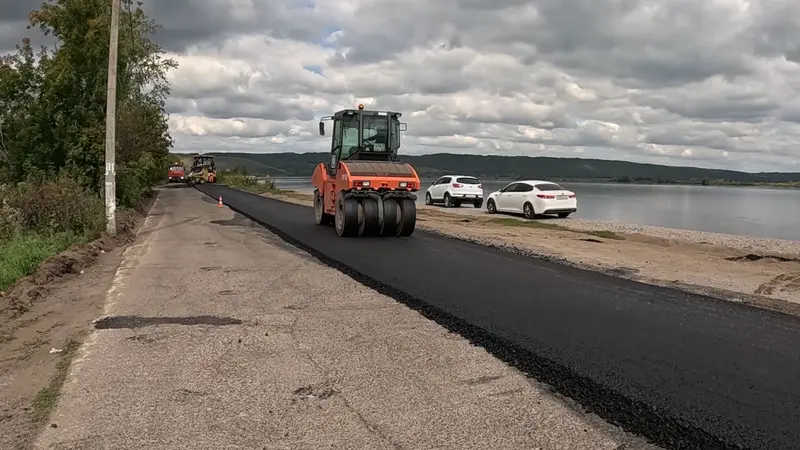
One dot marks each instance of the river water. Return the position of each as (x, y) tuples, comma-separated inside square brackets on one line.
[(761, 212)]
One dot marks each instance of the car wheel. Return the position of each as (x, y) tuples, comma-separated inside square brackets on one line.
[(527, 209), (428, 199), (448, 202), (490, 206)]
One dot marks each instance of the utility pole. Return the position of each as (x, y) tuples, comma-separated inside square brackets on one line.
[(111, 124)]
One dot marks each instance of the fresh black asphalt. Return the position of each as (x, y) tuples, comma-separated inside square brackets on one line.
[(683, 370)]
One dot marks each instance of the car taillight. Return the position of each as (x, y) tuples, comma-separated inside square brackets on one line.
[(571, 195), (480, 186), (456, 185), (546, 196)]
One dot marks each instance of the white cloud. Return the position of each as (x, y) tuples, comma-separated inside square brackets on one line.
[(711, 83)]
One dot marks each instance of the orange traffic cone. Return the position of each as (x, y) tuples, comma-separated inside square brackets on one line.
[(219, 203)]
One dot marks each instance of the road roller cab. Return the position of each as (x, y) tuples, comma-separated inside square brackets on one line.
[(364, 190)]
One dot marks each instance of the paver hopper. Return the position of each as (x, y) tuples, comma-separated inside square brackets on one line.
[(204, 170)]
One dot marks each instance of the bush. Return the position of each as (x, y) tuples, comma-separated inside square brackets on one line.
[(11, 220), (40, 218), (56, 206), (130, 187), (44, 216), (238, 179), (246, 182), (134, 180)]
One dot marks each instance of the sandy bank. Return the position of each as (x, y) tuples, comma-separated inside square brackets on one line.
[(759, 245)]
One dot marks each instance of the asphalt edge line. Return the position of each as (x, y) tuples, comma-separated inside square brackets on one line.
[(631, 415), (706, 295), (716, 296)]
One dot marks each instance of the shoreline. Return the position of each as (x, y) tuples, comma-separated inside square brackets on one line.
[(739, 241), (756, 244), (771, 246), (711, 183), (761, 272)]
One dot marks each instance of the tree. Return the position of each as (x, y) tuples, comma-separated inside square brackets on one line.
[(52, 103)]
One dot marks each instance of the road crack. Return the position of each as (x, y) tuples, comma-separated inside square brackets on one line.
[(328, 381)]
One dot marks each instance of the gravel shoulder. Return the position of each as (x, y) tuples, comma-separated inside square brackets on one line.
[(218, 334), (758, 271)]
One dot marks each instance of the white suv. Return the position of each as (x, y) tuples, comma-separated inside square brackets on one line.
[(453, 190)]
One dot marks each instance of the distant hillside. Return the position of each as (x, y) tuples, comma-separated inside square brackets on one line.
[(511, 167)]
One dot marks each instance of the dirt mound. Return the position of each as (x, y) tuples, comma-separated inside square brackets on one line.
[(21, 296)]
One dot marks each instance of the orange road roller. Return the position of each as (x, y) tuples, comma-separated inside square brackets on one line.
[(364, 190)]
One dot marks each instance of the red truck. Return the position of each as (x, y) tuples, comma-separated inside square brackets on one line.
[(177, 173)]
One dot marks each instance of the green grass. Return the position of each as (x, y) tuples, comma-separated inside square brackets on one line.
[(47, 398), (295, 194), (22, 254), (528, 224), (508, 222), (605, 234), (244, 183)]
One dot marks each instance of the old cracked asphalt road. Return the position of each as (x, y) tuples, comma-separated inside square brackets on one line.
[(685, 370), (220, 335)]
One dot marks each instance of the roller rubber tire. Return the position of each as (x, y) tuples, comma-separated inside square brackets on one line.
[(408, 217), (346, 217), (320, 216), (391, 218), (370, 220)]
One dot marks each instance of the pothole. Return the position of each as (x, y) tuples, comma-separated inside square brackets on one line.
[(318, 392), (118, 322)]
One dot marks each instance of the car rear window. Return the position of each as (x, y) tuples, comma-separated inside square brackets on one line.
[(176, 168), (549, 187), (467, 180)]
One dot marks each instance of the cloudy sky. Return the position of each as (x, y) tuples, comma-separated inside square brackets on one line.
[(711, 83)]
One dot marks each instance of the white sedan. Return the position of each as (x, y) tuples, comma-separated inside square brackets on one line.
[(533, 198)]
